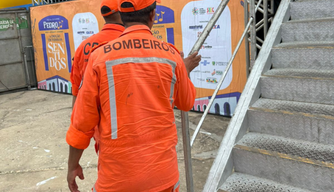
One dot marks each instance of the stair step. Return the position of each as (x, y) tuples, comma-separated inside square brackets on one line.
[(308, 30), (304, 121), (292, 162), (302, 73), (239, 182), (304, 85), (311, 9), (304, 55)]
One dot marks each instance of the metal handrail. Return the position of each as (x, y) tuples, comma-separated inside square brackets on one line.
[(220, 83)]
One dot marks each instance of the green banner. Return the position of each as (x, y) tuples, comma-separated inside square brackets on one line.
[(20, 22)]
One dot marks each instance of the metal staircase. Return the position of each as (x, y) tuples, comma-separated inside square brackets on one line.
[(281, 137)]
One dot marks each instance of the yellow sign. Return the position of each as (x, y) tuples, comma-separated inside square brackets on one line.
[(13, 3)]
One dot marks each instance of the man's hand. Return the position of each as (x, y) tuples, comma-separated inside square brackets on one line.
[(74, 169), (192, 61), (71, 175)]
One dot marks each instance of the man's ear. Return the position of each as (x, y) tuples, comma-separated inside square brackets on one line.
[(152, 15)]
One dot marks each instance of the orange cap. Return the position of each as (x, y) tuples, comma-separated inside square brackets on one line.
[(137, 5), (109, 7)]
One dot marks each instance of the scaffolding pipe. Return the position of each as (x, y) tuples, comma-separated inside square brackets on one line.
[(259, 23), (246, 39), (253, 33), (259, 39), (260, 27), (258, 5), (265, 17)]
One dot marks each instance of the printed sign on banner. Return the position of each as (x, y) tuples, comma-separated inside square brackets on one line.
[(189, 20), (164, 24), (56, 51), (59, 29), (84, 25), (208, 73)]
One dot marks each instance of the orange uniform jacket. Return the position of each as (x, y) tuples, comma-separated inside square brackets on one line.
[(108, 33), (130, 88)]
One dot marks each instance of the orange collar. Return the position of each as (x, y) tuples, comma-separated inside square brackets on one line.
[(113, 27), (137, 29)]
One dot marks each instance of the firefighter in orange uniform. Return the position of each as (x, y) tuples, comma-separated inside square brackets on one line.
[(112, 29), (130, 88)]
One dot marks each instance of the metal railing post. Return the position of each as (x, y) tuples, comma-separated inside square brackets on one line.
[(26, 66), (187, 151), (184, 115), (27, 71), (265, 17), (253, 32), (246, 14)]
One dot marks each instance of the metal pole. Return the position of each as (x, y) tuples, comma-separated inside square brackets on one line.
[(187, 152), (253, 33), (258, 5), (27, 73), (184, 115), (260, 27), (246, 37), (18, 32), (26, 66), (220, 83), (259, 23), (265, 17), (260, 10), (259, 39), (33, 2)]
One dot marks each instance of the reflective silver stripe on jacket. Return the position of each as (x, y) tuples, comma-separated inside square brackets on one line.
[(112, 100), (111, 83), (176, 186)]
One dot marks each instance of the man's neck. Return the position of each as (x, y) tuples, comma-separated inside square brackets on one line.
[(134, 23), (114, 23)]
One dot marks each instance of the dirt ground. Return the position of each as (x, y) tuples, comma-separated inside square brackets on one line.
[(34, 152)]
